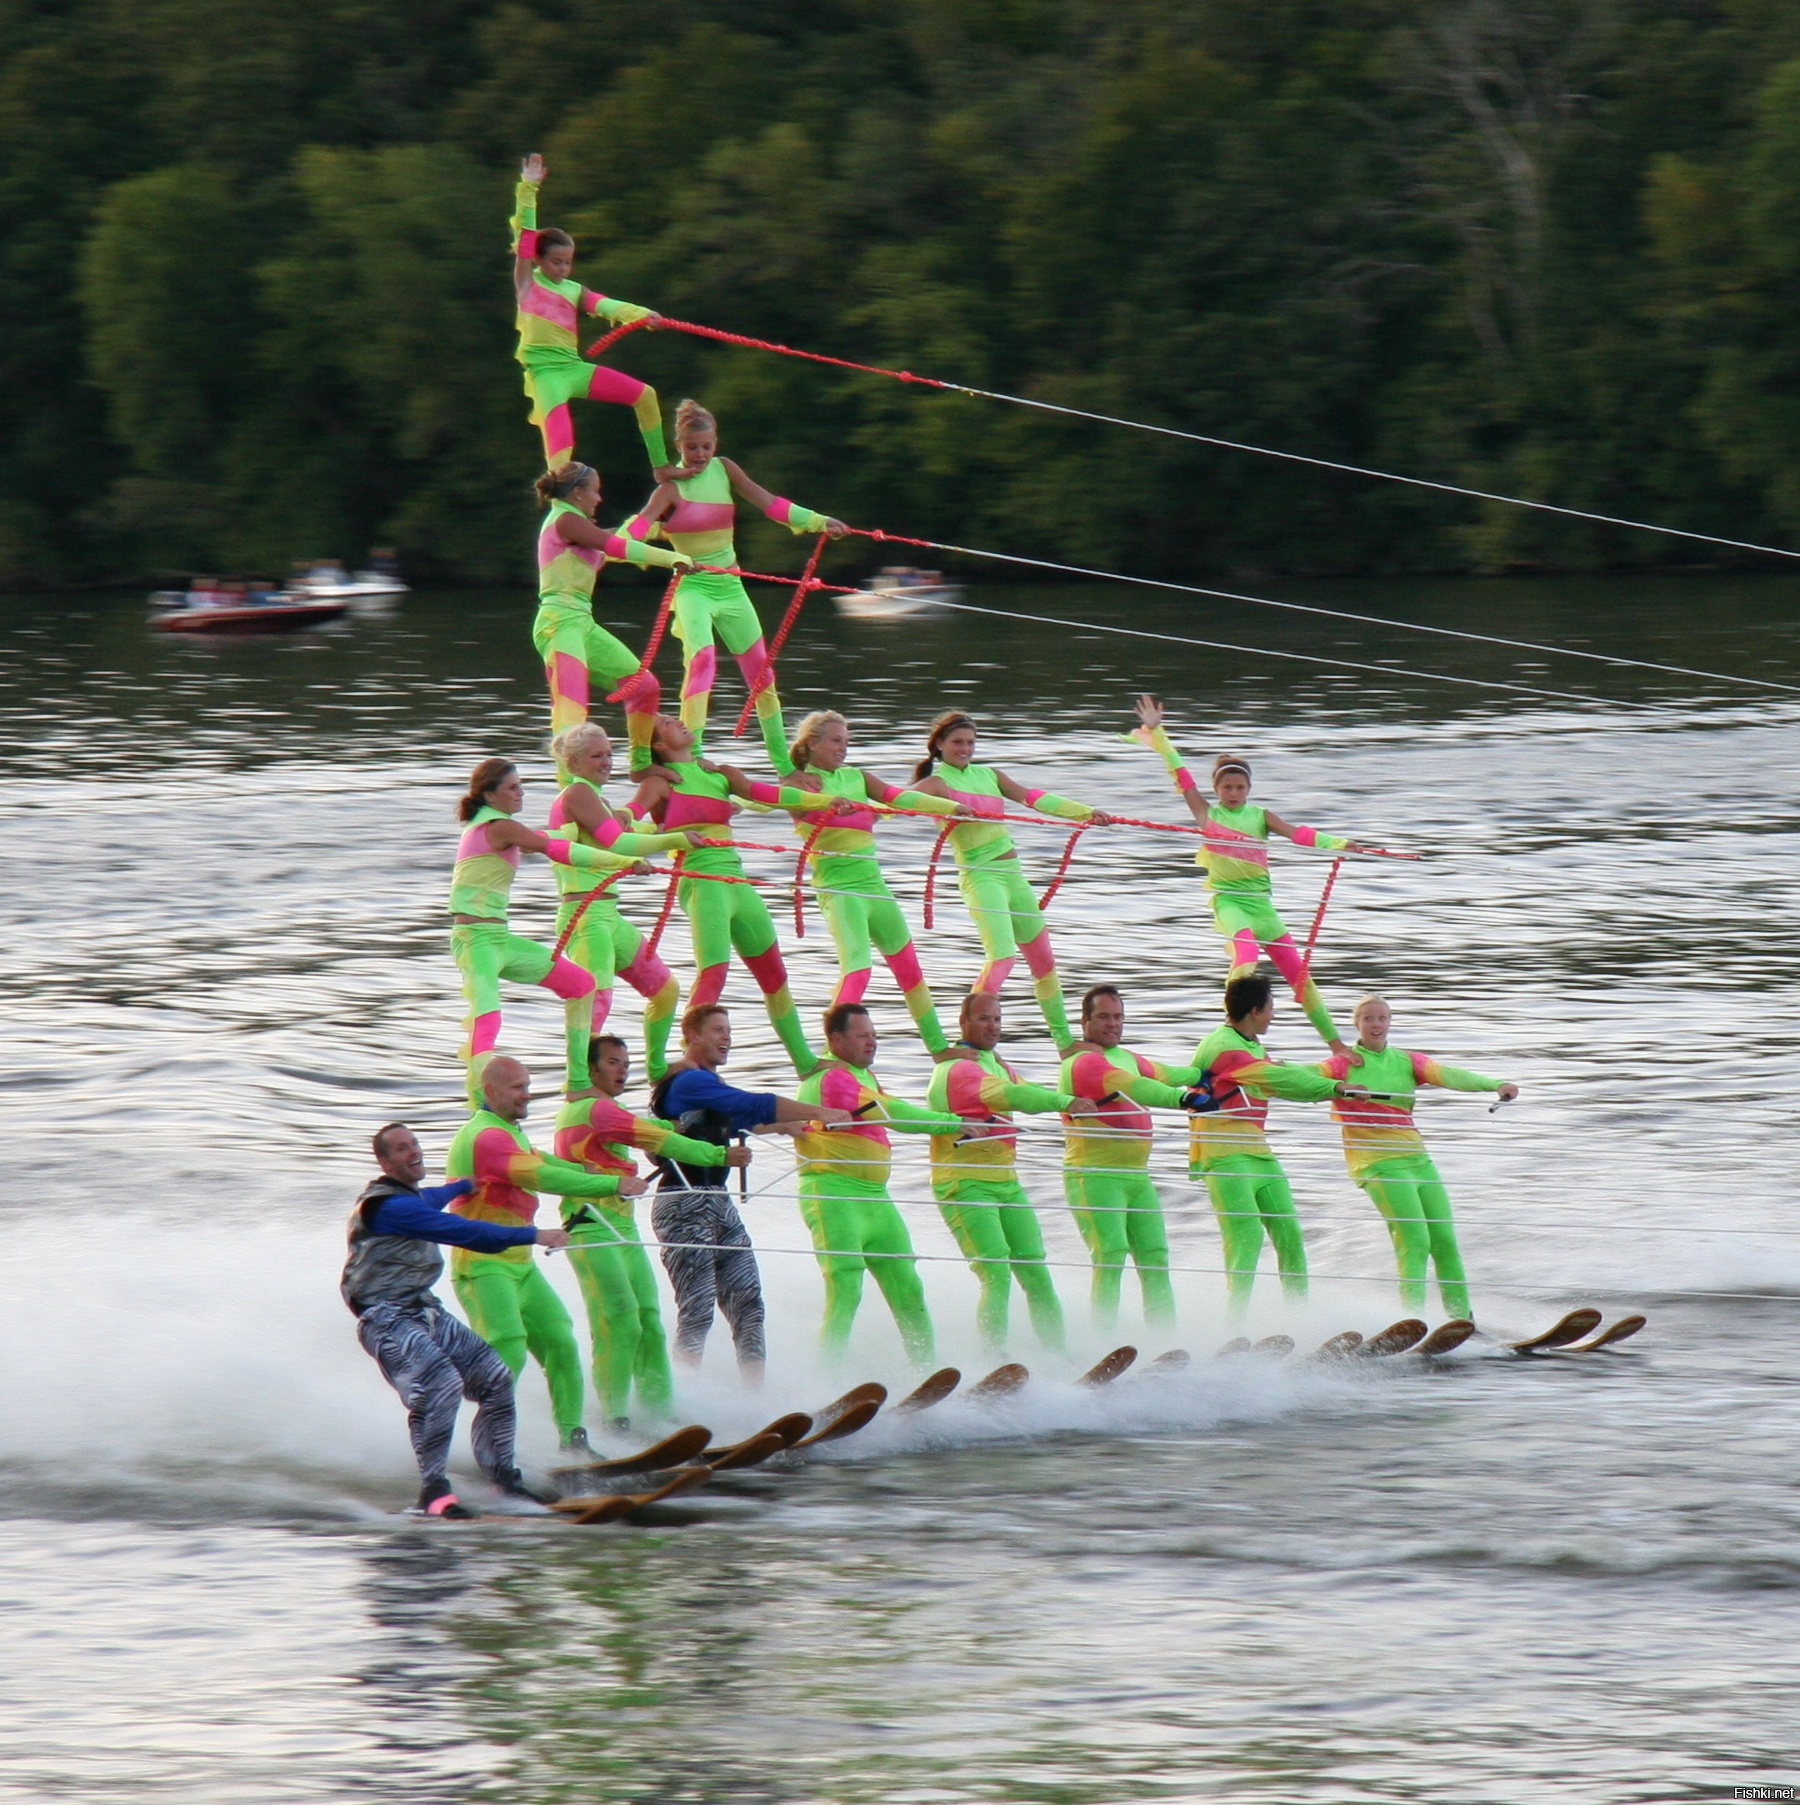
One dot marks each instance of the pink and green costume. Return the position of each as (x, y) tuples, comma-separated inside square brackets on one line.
[(857, 904), (485, 950), (1229, 1152), (578, 652), (1003, 905), (1106, 1175), (507, 1299), (604, 943), (855, 1225), (1234, 853), (610, 1262), (555, 371), (976, 1183), (729, 916), (1387, 1158), (713, 605)]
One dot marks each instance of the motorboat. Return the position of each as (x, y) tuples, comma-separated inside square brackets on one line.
[(327, 580), (213, 607), (900, 589)]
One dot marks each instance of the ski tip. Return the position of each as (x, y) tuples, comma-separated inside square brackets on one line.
[(1277, 1347), (671, 1451), (1239, 1344), (1339, 1347), (1572, 1327), (1445, 1338), (1001, 1382), (933, 1391), (1622, 1330), (858, 1416), (1103, 1372), (747, 1454), (1396, 1338), (1177, 1359), (787, 1429)]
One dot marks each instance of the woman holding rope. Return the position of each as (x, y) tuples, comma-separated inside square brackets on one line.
[(1234, 854), (853, 893), (695, 511), (724, 910), (1002, 903)]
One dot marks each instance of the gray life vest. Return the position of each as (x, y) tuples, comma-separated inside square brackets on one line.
[(387, 1269)]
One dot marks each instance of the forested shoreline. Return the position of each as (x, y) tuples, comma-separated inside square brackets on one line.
[(256, 297)]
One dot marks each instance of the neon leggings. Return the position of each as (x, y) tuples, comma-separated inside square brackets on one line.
[(857, 916), (580, 655), (485, 953), (1120, 1214), (1251, 927), (1007, 917), (556, 381), (606, 944), (624, 1318), (722, 917), (854, 1219), (515, 1310), (1411, 1196), (995, 1225), (711, 605), (1250, 1196)]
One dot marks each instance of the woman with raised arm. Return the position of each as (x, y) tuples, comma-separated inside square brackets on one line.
[(853, 894), (483, 946), (1003, 905), (695, 511), (577, 651), (1234, 854), (725, 913), (1387, 1158), (551, 301)]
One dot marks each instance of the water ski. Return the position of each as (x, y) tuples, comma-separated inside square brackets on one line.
[(1445, 1338), (1395, 1339), (1277, 1347), (671, 1451), (857, 1394), (1103, 1372), (858, 1416), (934, 1391), (620, 1504), (788, 1428), (1572, 1327), (1238, 1344), (1002, 1382), (753, 1452), (1622, 1330), (1177, 1359), (1339, 1347)]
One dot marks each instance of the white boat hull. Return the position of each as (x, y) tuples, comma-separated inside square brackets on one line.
[(885, 604)]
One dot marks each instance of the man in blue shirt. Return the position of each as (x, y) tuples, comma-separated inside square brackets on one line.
[(429, 1357), (705, 1246)]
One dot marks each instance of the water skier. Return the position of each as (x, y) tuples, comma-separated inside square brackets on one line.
[(1386, 1153), (430, 1358)]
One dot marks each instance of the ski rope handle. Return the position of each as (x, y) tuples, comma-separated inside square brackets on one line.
[(800, 875), (931, 869), (668, 908), (1062, 870), (1312, 939), (767, 679), (581, 909)]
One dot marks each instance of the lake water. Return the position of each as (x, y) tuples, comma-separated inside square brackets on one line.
[(1499, 1581)]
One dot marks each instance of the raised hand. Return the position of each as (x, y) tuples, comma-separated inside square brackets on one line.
[(532, 169)]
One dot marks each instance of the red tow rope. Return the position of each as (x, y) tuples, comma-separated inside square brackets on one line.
[(1312, 939), (819, 827), (652, 645), (781, 633), (581, 909), (931, 869), (1062, 869), (668, 908)]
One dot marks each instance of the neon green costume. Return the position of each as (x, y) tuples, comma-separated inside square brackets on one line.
[(976, 1183)]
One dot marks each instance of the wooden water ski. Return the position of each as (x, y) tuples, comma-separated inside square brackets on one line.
[(1622, 1330), (671, 1451), (1395, 1339), (1277, 1347), (934, 1391), (857, 1394), (788, 1428), (751, 1453), (1339, 1347), (1238, 1344), (1445, 1338), (1572, 1327), (858, 1416), (1177, 1359), (1103, 1372), (619, 1504), (1002, 1382)]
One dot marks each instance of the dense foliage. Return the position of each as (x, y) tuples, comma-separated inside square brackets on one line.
[(256, 301)]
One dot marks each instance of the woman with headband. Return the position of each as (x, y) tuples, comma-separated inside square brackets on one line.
[(577, 651), (1234, 853), (550, 304), (695, 511), (483, 946), (1003, 905), (1387, 1158), (853, 895)]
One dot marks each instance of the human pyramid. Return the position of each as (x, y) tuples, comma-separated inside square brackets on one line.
[(841, 1116)]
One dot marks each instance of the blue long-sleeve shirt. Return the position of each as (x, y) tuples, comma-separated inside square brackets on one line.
[(697, 1088), (420, 1216), (394, 1237)]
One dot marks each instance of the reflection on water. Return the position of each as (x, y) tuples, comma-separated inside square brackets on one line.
[(227, 964)]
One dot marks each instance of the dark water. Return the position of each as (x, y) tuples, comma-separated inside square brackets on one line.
[(1497, 1582)]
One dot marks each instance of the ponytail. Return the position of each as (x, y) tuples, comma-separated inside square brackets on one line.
[(486, 776), (941, 729), (559, 485)]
